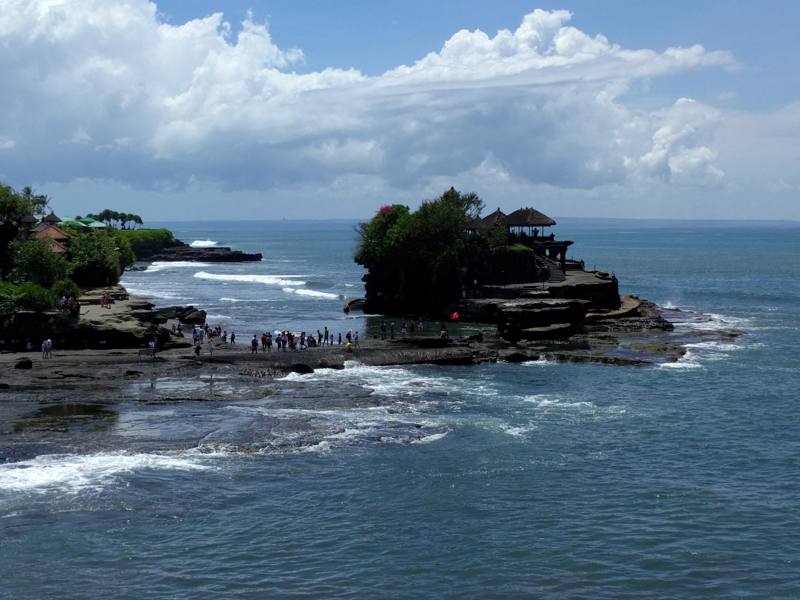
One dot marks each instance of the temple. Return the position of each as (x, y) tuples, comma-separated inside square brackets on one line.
[(527, 226)]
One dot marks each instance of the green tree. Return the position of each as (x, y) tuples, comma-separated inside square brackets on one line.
[(94, 259), (416, 261), (35, 261), (13, 208), (37, 202)]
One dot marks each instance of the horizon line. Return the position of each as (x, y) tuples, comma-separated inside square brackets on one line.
[(350, 219)]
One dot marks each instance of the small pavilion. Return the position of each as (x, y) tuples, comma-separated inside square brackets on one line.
[(528, 219)]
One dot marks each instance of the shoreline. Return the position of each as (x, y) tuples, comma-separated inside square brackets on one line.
[(52, 404)]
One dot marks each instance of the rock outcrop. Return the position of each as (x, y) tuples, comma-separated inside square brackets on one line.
[(184, 252), (124, 323)]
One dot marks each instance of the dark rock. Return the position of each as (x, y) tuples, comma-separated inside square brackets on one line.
[(132, 373), (217, 254), (25, 363), (195, 316), (301, 368), (516, 357)]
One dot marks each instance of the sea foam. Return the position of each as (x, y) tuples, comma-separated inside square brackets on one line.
[(203, 244), (73, 473)]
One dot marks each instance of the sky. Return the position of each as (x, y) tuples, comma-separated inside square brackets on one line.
[(304, 109)]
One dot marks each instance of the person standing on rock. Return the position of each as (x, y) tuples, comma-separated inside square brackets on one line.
[(326, 335), (264, 342), (254, 345), (233, 337), (210, 348)]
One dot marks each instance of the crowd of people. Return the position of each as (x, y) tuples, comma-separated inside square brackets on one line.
[(283, 341), (70, 304)]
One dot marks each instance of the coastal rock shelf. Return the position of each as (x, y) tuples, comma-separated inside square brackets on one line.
[(221, 254)]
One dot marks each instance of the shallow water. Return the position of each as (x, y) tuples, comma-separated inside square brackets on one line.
[(538, 479)]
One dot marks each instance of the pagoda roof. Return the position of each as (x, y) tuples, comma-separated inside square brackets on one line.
[(492, 218), (45, 231), (51, 218), (528, 217), (56, 246)]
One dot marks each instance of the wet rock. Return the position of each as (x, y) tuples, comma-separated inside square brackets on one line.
[(25, 363), (301, 368), (217, 254), (516, 357)]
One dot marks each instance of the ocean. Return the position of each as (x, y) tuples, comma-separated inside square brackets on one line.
[(534, 480)]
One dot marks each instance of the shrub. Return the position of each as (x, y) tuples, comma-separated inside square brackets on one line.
[(31, 296), (66, 288), (146, 242)]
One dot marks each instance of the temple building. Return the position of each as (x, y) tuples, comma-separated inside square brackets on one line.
[(527, 226), (55, 237)]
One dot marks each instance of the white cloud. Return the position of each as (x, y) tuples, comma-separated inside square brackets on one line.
[(107, 91)]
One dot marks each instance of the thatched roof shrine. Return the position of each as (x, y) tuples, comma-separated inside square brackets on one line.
[(528, 217)]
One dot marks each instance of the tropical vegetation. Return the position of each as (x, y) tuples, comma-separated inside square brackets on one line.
[(34, 277), (420, 262)]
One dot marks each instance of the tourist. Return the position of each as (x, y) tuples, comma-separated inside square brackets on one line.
[(44, 349), (391, 330), (254, 345), (264, 342), (210, 347), (319, 337), (340, 338), (233, 338), (197, 349), (269, 342), (443, 331), (355, 339), (403, 329), (326, 335)]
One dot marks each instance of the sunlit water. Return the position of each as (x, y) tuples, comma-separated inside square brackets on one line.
[(532, 480)]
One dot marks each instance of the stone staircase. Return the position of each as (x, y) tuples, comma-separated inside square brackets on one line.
[(556, 274)]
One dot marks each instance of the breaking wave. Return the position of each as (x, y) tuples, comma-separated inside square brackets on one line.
[(313, 293), (203, 244), (282, 280), (163, 265)]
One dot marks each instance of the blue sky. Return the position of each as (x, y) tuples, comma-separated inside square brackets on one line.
[(330, 109)]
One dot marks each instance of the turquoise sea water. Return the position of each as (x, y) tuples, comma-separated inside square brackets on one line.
[(534, 480)]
